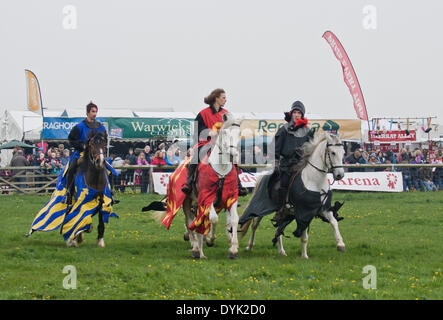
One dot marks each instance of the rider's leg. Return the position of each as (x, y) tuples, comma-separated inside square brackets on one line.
[(282, 193), (70, 185), (192, 166)]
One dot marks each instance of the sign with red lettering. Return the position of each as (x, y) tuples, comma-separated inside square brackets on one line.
[(393, 136)]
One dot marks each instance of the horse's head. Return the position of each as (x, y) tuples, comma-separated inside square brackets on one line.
[(97, 144), (229, 136), (334, 156)]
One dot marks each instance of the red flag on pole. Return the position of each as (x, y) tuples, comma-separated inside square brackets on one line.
[(349, 75)]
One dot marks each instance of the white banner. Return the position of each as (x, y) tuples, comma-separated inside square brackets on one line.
[(385, 181), (161, 181)]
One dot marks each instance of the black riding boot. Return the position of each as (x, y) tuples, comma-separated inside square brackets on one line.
[(282, 192), (70, 185), (187, 187)]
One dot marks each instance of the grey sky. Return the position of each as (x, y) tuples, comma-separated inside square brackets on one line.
[(265, 54)]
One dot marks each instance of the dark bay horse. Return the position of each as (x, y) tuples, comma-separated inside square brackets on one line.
[(92, 166)]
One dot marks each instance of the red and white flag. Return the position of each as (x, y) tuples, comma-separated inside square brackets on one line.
[(349, 75)]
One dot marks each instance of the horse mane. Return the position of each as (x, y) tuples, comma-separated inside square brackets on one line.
[(228, 120), (309, 148), (91, 135)]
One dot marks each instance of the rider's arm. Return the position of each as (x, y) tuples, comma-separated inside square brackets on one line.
[(74, 139), (201, 125), (279, 142)]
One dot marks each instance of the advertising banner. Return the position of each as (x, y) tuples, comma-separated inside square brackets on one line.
[(129, 128), (351, 129), (384, 181), (349, 75), (393, 136), (147, 128), (59, 128)]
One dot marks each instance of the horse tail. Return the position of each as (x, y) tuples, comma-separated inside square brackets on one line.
[(245, 227), (159, 208), (157, 215)]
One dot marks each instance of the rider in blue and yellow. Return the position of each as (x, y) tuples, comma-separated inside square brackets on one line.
[(78, 137)]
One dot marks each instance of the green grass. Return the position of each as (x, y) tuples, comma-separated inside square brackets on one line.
[(399, 234)]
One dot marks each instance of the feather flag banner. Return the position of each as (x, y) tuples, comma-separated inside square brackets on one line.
[(349, 75)]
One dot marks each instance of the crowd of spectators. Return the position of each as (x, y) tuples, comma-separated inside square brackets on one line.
[(414, 179)]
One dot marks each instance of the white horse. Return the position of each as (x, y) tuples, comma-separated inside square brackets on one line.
[(224, 154), (322, 154)]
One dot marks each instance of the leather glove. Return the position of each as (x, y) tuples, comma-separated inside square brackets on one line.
[(311, 133)]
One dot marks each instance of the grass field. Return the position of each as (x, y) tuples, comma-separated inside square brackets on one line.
[(399, 234)]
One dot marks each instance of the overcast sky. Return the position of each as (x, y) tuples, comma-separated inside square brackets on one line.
[(265, 54)]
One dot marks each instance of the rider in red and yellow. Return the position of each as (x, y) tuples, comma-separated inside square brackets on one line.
[(208, 123)]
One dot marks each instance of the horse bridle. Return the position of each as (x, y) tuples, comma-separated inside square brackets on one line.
[(90, 153), (231, 146), (332, 167)]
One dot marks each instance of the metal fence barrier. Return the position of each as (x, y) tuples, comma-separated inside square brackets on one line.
[(132, 178)]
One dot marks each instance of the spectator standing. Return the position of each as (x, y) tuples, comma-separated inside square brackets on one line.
[(55, 164), (132, 158), (355, 158), (18, 160), (406, 173), (147, 151), (140, 175), (158, 160), (65, 158), (117, 180)]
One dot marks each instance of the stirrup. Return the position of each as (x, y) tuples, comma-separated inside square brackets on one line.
[(186, 189), (242, 192), (67, 199)]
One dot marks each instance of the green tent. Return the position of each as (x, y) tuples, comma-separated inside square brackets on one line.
[(14, 143)]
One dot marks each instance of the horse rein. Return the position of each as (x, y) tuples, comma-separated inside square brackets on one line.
[(231, 146), (329, 169)]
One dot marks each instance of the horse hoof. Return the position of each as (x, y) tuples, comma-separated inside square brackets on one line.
[(80, 238), (283, 253), (71, 243), (195, 254), (305, 257), (233, 256), (90, 229), (209, 244), (341, 248), (101, 243), (248, 248), (186, 237)]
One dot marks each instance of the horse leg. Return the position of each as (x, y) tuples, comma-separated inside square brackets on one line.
[(71, 243), (193, 238), (186, 234), (213, 217), (233, 222), (101, 230), (80, 237), (255, 223), (340, 244), (200, 246), (281, 250), (304, 244)]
